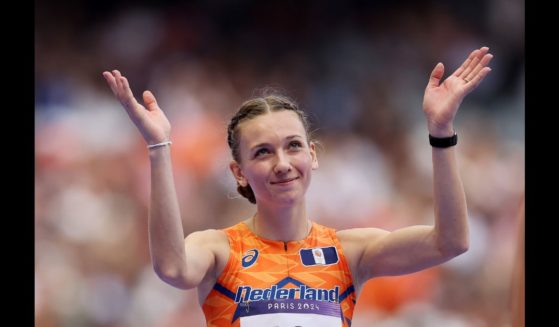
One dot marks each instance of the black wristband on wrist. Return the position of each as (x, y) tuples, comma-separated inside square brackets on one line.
[(443, 142)]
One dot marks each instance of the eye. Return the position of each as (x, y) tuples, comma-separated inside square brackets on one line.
[(295, 145), (261, 152)]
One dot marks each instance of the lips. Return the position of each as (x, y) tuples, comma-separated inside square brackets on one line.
[(285, 181)]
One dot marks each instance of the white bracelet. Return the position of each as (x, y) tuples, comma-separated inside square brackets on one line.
[(151, 146)]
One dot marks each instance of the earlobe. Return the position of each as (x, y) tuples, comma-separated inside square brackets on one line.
[(315, 164), (237, 173), (314, 158)]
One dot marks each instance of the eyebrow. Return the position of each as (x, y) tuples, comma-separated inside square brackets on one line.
[(290, 137)]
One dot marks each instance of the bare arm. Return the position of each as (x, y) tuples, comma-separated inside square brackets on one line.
[(179, 262), (373, 252)]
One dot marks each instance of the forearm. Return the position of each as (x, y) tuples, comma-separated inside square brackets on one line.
[(451, 217), (166, 237)]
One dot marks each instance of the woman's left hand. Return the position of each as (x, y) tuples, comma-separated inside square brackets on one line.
[(441, 100)]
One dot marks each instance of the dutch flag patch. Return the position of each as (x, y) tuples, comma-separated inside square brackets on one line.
[(319, 256)]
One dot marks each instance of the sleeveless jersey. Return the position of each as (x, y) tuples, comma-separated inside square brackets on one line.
[(276, 283)]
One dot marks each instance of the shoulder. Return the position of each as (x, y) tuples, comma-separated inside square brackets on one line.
[(207, 237), (213, 240)]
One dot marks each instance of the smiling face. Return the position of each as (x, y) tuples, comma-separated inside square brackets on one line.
[(276, 158)]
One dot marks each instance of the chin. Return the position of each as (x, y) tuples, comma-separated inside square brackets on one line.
[(285, 199), (290, 198)]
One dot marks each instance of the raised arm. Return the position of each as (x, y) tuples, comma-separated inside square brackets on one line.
[(179, 262), (374, 252)]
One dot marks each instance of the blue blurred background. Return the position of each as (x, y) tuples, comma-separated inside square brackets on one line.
[(358, 68)]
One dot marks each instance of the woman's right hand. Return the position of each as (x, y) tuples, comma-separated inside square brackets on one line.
[(150, 120)]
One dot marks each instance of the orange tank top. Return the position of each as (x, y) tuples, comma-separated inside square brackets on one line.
[(271, 283)]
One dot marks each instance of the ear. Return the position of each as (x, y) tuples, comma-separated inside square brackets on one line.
[(312, 148), (237, 173)]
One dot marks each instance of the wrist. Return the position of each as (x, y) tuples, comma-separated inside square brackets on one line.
[(443, 142), (440, 131), (159, 145), (159, 153)]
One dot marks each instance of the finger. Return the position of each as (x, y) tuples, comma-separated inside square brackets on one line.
[(127, 97), (117, 76), (436, 75), (465, 64), (119, 86), (473, 63), (468, 62), (150, 101), (483, 63), (111, 81), (477, 79)]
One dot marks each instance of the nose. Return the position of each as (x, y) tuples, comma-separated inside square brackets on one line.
[(282, 165)]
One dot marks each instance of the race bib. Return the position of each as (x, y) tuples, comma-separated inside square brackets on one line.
[(290, 313)]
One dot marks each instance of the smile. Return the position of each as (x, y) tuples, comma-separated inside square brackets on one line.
[(285, 181)]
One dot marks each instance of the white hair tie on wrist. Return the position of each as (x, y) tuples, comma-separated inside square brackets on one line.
[(151, 146)]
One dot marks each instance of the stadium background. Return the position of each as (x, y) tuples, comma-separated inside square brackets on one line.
[(359, 68)]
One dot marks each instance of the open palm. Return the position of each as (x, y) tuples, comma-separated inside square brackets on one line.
[(150, 120), (441, 100)]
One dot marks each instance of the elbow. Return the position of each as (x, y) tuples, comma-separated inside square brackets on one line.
[(454, 243), (461, 248), (172, 276), (456, 248), (453, 247)]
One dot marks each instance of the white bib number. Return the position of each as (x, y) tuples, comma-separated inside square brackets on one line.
[(291, 313)]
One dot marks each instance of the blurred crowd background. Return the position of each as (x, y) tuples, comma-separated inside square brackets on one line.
[(358, 68)]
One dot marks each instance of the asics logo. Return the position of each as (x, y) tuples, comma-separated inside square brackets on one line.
[(249, 258)]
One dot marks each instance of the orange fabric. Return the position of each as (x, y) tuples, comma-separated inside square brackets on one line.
[(278, 265)]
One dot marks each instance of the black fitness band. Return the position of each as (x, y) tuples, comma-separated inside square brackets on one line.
[(443, 142)]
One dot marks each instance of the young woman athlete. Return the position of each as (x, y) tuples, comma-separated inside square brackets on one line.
[(278, 268)]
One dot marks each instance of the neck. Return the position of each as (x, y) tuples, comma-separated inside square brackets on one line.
[(281, 224)]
